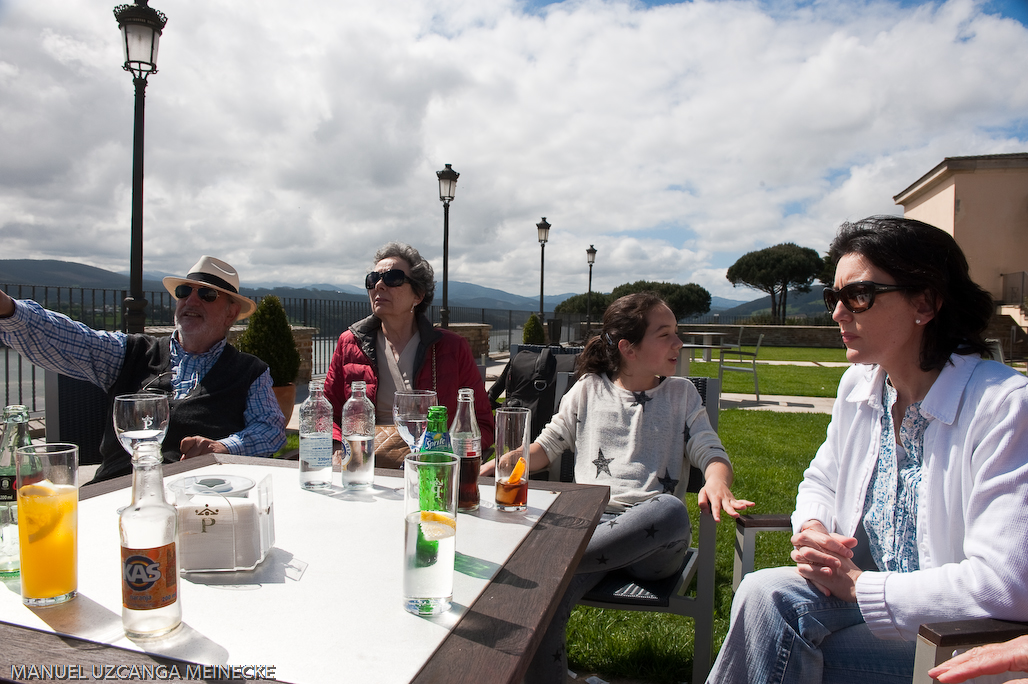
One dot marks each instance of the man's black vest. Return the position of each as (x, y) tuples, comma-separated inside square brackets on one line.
[(213, 409)]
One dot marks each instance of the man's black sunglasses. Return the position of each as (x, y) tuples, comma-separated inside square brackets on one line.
[(857, 297), (207, 294), (394, 277)]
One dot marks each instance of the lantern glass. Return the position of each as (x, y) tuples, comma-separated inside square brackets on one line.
[(590, 254), (544, 230), (141, 43), (447, 183), (447, 187)]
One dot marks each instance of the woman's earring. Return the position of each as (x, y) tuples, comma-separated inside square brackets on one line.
[(918, 321)]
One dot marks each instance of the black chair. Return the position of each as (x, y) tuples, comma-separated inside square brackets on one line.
[(76, 412)]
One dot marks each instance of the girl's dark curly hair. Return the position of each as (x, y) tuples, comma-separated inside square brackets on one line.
[(928, 261), (625, 319)]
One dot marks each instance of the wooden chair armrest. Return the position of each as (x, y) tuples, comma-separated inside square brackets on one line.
[(937, 642)]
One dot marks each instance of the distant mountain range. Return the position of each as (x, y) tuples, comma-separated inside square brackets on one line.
[(53, 273)]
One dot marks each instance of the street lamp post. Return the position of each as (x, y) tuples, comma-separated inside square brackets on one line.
[(544, 234), (447, 187), (141, 28), (590, 254)]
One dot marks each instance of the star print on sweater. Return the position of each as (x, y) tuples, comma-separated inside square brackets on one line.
[(651, 531), (667, 482), (640, 399), (602, 464)]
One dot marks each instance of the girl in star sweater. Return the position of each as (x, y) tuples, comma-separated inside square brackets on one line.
[(628, 424)]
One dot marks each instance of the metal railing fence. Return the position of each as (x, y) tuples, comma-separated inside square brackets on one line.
[(100, 309), (1015, 289)]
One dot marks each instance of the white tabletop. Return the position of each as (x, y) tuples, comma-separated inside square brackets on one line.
[(325, 604)]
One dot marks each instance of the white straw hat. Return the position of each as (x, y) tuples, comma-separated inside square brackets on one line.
[(216, 274)]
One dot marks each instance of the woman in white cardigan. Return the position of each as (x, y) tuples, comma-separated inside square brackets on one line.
[(914, 508)]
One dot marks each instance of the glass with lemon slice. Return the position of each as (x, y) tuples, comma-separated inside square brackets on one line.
[(430, 507), (48, 497)]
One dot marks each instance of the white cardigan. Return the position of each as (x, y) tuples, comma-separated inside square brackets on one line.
[(972, 515)]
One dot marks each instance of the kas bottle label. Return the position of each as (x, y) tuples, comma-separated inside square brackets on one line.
[(149, 577)]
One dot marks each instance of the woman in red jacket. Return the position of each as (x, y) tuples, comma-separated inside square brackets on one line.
[(397, 348)]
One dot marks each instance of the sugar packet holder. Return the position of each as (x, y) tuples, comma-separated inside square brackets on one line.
[(219, 533)]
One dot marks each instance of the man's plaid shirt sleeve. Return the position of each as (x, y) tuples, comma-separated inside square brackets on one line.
[(57, 343)]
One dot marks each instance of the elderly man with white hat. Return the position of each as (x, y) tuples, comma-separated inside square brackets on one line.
[(233, 410)]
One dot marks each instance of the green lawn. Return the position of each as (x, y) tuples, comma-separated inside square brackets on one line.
[(818, 354), (769, 451), (803, 381)]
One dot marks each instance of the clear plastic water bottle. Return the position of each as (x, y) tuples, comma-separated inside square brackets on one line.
[(16, 434), (358, 426), (316, 439), (149, 561), (466, 440)]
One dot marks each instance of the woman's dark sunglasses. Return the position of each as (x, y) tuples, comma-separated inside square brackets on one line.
[(394, 277), (857, 297), (207, 294)]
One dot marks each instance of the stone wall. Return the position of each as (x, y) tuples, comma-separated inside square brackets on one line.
[(477, 335), (303, 336)]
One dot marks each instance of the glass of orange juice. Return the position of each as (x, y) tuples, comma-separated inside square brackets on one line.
[(48, 498)]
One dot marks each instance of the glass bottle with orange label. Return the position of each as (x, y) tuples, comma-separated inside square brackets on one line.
[(149, 581)]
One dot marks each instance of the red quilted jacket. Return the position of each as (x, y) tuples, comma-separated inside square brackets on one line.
[(443, 362)]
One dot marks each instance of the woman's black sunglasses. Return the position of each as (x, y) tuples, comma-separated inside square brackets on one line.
[(394, 277), (857, 297), (207, 294)]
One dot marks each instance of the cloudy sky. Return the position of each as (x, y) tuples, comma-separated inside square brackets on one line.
[(293, 138)]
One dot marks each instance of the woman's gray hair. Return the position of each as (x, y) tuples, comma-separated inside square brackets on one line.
[(422, 276)]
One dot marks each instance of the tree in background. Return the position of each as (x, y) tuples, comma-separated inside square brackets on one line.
[(577, 304), (775, 270), (684, 300), (827, 275)]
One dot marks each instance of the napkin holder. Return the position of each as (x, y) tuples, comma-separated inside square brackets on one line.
[(218, 533)]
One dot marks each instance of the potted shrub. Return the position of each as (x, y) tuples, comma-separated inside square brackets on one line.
[(533, 332), (269, 338)]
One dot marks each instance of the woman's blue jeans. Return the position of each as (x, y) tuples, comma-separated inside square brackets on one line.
[(784, 630)]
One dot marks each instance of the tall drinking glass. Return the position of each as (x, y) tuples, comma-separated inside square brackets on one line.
[(141, 418), (410, 414), (513, 437), (48, 497), (430, 507)]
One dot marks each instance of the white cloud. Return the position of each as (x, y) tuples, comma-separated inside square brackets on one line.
[(294, 138)]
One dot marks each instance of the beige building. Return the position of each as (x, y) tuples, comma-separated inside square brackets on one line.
[(982, 202)]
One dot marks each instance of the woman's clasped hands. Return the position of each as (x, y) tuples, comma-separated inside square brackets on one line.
[(826, 560)]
